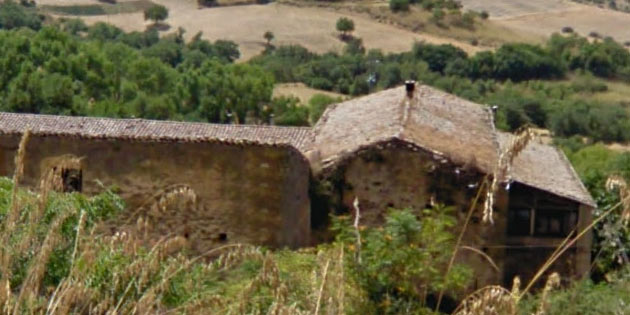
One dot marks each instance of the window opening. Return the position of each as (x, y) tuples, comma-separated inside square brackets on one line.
[(537, 213)]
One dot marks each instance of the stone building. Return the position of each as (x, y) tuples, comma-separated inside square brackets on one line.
[(410, 146)]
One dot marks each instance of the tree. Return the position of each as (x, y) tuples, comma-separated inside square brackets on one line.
[(13, 15), (399, 5), (345, 26), (268, 37), (206, 3), (156, 13)]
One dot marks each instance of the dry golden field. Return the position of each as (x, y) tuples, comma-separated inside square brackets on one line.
[(544, 17), (301, 91), (313, 28)]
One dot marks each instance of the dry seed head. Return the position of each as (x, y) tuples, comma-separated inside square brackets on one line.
[(516, 286), (19, 157), (502, 171), (490, 300), (617, 182), (552, 282)]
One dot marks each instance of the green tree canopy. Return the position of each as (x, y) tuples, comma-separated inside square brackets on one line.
[(156, 13), (269, 36), (345, 26)]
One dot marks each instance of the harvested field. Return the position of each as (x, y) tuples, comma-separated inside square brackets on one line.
[(313, 28), (505, 9), (545, 17), (301, 91), (583, 19)]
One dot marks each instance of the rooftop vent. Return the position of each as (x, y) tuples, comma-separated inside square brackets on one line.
[(410, 86)]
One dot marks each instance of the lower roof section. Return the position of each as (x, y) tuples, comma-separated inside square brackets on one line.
[(154, 130)]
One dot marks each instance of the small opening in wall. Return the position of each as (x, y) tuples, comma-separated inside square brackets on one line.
[(222, 237), (390, 205), (72, 180)]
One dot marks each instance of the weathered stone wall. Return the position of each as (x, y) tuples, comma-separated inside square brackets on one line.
[(246, 193), (396, 175)]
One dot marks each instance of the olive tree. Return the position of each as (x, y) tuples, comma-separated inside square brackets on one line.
[(345, 26), (156, 13)]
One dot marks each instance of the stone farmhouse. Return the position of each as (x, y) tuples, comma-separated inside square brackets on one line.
[(410, 146)]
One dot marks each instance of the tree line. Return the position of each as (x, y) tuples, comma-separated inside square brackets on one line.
[(70, 68), (532, 84)]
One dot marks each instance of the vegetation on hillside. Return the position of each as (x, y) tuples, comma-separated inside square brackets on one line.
[(547, 86)]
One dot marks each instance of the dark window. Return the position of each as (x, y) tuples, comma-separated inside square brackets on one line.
[(72, 180), (222, 237), (519, 221), (537, 213)]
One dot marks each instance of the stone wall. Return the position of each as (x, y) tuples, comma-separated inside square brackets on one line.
[(246, 193), (397, 175)]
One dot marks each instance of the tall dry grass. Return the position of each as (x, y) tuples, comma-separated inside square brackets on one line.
[(115, 274)]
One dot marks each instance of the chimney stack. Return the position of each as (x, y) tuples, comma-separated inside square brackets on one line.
[(410, 86)]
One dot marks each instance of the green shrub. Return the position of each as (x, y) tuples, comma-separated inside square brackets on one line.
[(403, 262), (156, 13), (13, 15), (318, 104), (399, 5), (585, 298)]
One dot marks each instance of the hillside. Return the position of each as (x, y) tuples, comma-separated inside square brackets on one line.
[(313, 28), (545, 17)]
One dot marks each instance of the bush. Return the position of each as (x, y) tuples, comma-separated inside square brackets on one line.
[(567, 29), (318, 104), (399, 5), (466, 20), (584, 298), (156, 13), (206, 3), (13, 15), (437, 15), (484, 15), (402, 263), (345, 26)]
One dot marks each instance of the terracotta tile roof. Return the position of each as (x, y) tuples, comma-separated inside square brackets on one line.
[(546, 167), (153, 130), (436, 121)]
